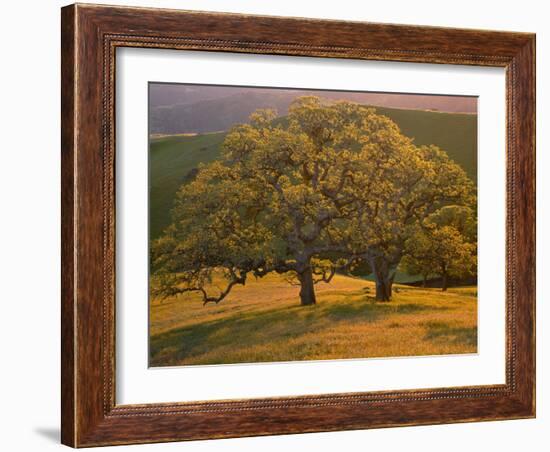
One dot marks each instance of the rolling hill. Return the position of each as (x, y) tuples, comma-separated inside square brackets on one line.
[(215, 114), (172, 157), (263, 322), (200, 109), (170, 160)]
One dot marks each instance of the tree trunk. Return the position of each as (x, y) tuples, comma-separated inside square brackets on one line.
[(307, 292), (445, 282), (384, 279), (383, 289), (424, 280)]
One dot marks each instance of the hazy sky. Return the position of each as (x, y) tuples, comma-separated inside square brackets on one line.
[(174, 94)]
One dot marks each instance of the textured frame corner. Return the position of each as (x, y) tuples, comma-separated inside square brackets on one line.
[(90, 37)]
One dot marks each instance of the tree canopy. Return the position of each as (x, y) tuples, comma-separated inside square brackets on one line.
[(327, 188), (443, 245)]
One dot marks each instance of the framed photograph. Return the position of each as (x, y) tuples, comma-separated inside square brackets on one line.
[(281, 225)]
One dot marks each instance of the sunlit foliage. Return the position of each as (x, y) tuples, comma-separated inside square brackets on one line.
[(325, 189)]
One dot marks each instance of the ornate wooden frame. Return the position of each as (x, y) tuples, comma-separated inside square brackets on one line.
[(90, 35)]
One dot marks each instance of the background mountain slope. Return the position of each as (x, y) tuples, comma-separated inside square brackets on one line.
[(196, 109)]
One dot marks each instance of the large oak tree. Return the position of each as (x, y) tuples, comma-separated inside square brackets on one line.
[(320, 191)]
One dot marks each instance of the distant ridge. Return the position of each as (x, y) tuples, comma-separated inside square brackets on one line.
[(200, 110)]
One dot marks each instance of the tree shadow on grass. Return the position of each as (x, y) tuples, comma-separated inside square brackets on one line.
[(413, 308), (253, 329), (442, 332)]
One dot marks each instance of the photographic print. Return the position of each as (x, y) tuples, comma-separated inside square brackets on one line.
[(294, 224)]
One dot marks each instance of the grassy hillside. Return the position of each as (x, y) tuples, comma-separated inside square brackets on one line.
[(263, 322), (170, 160), (454, 132), (172, 157)]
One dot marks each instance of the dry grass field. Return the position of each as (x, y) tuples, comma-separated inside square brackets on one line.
[(263, 322)]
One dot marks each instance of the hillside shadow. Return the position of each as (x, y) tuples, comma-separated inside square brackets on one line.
[(265, 327), (246, 329), (442, 332)]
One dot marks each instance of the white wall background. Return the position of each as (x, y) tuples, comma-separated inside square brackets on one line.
[(29, 235)]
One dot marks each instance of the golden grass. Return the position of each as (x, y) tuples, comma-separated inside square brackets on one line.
[(264, 322)]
